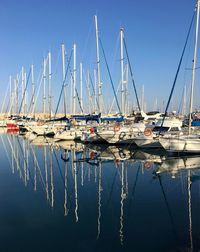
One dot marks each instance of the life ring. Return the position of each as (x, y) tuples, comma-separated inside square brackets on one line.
[(116, 127), (92, 155), (147, 132), (92, 130), (147, 166)]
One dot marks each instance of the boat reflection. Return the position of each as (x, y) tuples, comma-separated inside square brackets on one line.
[(174, 165), (83, 179)]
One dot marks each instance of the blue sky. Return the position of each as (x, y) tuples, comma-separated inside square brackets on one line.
[(155, 32)]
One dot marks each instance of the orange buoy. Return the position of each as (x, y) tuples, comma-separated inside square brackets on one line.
[(147, 132), (147, 166), (92, 155), (116, 127), (92, 130)]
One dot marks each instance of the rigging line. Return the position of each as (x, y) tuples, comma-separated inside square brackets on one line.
[(25, 90), (4, 146), (110, 76), (63, 180), (43, 186), (181, 101), (133, 82), (88, 88), (15, 158), (133, 190), (94, 91), (114, 53), (79, 102), (39, 80), (168, 208), (63, 84), (111, 189), (4, 100), (24, 159), (178, 69)]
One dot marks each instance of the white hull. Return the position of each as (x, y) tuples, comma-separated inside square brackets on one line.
[(182, 144), (68, 135), (145, 142)]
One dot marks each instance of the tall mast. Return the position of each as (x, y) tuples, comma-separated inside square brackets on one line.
[(95, 90), (194, 66), (17, 94), (89, 92), (122, 70), (23, 88), (25, 94), (126, 93), (71, 95), (81, 85), (50, 95), (63, 78), (74, 81), (10, 82), (33, 89), (98, 63), (44, 87), (190, 209)]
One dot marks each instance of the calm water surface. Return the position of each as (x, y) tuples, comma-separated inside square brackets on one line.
[(69, 197)]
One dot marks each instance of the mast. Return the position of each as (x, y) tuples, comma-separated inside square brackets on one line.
[(49, 80), (142, 98), (98, 63), (194, 66), (46, 173), (122, 70), (66, 210), (81, 85), (123, 196), (71, 95), (74, 81), (95, 90), (63, 77), (23, 88), (15, 95), (10, 82), (190, 210), (89, 92), (126, 92), (100, 189), (25, 94), (33, 89), (51, 176), (44, 87)]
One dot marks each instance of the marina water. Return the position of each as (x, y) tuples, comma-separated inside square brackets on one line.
[(104, 199)]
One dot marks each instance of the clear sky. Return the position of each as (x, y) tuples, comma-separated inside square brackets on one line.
[(155, 32)]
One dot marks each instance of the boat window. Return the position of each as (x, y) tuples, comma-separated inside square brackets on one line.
[(160, 129), (174, 129)]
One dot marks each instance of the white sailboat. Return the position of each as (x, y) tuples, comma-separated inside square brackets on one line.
[(150, 138), (189, 143)]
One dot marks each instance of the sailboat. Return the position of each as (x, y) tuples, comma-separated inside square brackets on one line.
[(189, 143)]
